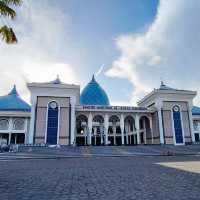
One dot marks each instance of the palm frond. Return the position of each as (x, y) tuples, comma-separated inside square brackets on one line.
[(12, 2), (8, 35), (5, 10)]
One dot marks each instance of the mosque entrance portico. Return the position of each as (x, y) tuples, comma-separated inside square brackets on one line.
[(108, 127)]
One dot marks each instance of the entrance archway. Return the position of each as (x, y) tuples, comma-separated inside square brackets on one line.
[(81, 130), (98, 137), (145, 130), (114, 131), (52, 123), (130, 137), (177, 125)]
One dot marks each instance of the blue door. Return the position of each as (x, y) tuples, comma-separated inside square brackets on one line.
[(177, 125), (52, 123)]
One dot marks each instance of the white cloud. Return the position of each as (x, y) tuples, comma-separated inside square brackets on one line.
[(100, 70), (42, 33), (169, 50)]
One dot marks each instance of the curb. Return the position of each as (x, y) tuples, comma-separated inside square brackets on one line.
[(4, 158)]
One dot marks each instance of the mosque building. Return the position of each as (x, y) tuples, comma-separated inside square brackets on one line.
[(59, 114)]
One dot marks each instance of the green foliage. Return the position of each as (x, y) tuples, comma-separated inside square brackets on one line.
[(8, 35), (12, 2), (6, 10)]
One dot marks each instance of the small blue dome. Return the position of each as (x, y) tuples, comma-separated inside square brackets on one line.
[(13, 102), (195, 110), (94, 94)]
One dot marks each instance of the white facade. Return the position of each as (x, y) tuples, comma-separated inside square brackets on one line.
[(57, 117)]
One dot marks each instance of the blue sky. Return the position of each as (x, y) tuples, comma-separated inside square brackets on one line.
[(138, 43), (93, 28)]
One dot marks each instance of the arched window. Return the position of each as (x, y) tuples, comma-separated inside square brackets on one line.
[(114, 124), (18, 124), (98, 119), (177, 125), (98, 124), (114, 119), (129, 124), (52, 123), (4, 124)]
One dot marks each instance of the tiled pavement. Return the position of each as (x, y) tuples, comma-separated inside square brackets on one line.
[(102, 178)]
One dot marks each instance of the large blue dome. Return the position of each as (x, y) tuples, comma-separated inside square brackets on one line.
[(94, 94)]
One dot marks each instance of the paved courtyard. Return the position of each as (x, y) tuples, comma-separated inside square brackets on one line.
[(91, 177)]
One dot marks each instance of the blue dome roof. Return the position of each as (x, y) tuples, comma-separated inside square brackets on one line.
[(195, 110), (94, 94), (13, 102)]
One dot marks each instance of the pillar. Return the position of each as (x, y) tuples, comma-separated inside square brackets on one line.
[(126, 129), (26, 131), (151, 129), (137, 126), (90, 128), (73, 120), (190, 105), (32, 121), (85, 135), (101, 134), (114, 134), (122, 127), (95, 136), (10, 127), (145, 131), (106, 125), (160, 121)]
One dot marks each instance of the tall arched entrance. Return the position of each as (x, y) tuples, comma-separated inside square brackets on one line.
[(177, 125), (52, 123)]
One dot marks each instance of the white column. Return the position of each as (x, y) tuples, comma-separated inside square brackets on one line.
[(95, 136), (101, 133), (190, 105), (73, 120), (151, 129), (85, 134), (90, 128), (122, 127), (10, 129), (127, 131), (106, 125), (145, 131), (137, 126), (32, 121), (114, 134), (160, 121), (26, 130)]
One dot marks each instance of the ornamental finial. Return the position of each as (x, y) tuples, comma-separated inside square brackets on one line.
[(93, 78), (162, 83), (13, 91)]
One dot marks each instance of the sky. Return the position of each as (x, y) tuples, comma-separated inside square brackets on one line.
[(129, 45)]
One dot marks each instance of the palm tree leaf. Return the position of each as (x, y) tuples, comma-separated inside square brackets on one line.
[(8, 35), (12, 2), (5, 10)]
